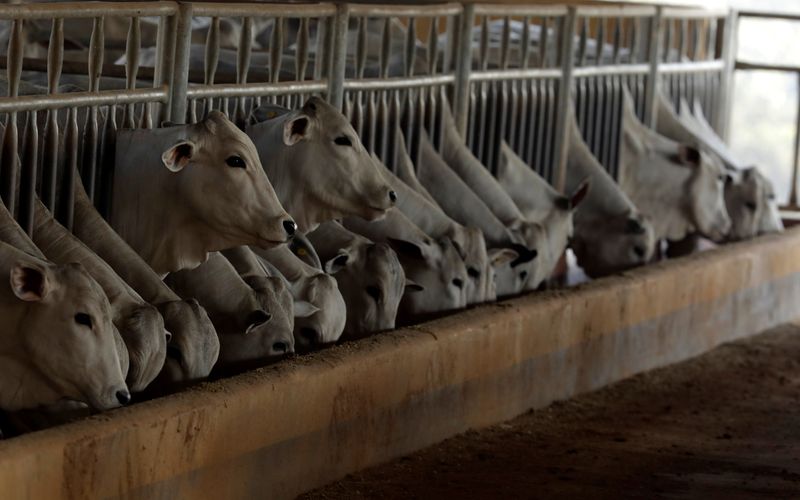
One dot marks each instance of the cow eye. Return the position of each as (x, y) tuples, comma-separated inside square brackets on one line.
[(343, 141), (374, 292), (235, 161), (721, 177), (83, 319), (771, 196), (750, 206)]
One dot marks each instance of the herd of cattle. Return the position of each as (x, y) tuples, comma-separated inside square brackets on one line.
[(228, 249)]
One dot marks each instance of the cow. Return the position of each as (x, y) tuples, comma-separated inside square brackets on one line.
[(321, 321), (428, 216), (238, 314), (611, 234), (679, 187), (139, 323), (749, 196), (539, 202), (194, 347), (369, 275), (462, 204), (319, 167), (181, 192), (434, 264), (56, 338)]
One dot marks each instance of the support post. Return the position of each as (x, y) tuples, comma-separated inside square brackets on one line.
[(561, 140), (728, 55), (339, 57), (179, 78), (654, 76), (463, 55)]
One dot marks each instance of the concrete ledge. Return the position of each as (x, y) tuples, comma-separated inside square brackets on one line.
[(279, 431)]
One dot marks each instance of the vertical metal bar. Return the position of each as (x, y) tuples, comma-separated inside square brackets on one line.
[(796, 159), (27, 188), (211, 59), (560, 142), (10, 161), (728, 55), (132, 46), (339, 57), (66, 208), (653, 77), (164, 64), (55, 58), (89, 146), (179, 80), (243, 54), (463, 69)]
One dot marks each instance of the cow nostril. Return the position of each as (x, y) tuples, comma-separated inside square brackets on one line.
[(639, 251), (309, 335), (124, 397), (459, 283), (281, 347), (290, 227), (392, 196), (523, 275)]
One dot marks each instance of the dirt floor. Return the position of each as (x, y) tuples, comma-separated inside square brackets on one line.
[(724, 425)]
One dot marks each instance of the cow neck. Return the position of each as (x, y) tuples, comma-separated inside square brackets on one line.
[(423, 212), (22, 386), (90, 227), (14, 235)]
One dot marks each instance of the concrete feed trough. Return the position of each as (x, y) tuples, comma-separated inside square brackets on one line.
[(283, 430)]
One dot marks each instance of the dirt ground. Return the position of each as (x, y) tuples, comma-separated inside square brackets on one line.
[(723, 425)]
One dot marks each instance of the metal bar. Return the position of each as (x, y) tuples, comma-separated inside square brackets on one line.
[(219, 9), (654, 59), (616, 11), (796, 160), (399, 82), (339, 57), (180, 73), (9, 162), (463, 69), (411, 11), (729, 51), (55, 58), (81, 99), (132, 45), (560, 143), (30, 160), (622, 69), (261, 89), (73, 10), (488, 9)]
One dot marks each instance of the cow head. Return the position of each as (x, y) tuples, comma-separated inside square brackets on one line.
[(325, 171), (223, 186), (193, 349), (471, 246), (320, 312), (146, 342), (372, 282), (438, 269), (750, 201), (68, 333), (606, 244)]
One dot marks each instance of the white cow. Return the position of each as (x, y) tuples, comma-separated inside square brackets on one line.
[(319, 167), (416, 204), (432, 263), (139, 323), (369, 275), (239, 315), (319, 310), (184, 191), (462, 204), (194, 347), (56, 338), (611, 234), (679, 187), (749, 196), (539, 202)]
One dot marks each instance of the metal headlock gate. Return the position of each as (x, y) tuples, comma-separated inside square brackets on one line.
[(503, 68)]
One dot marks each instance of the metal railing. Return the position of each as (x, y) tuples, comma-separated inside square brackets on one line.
[(739, 65), (507, 70)]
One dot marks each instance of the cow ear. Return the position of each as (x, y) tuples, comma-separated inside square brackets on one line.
[(296, 130), (337, 263), (412, 286), (498, 257), (29, 282), (579, 194), (304, 309), (178, 156), (688, 156), (406, 248)]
